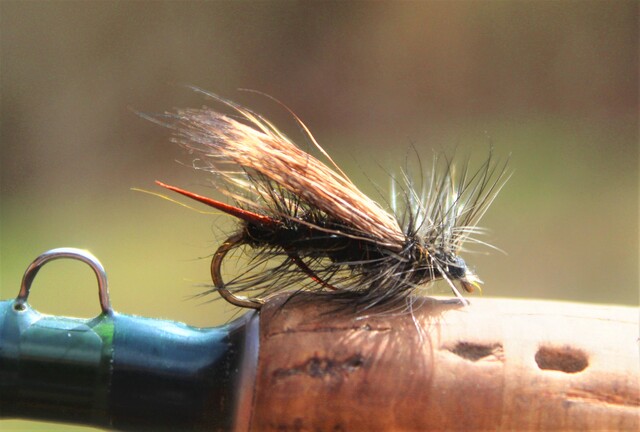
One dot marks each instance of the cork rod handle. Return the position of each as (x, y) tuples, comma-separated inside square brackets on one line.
[(497, 364)]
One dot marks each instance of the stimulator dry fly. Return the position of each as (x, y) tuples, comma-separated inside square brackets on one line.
[(325, 234)]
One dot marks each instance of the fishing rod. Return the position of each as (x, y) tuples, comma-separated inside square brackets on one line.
[(300, 363), (118, 371)]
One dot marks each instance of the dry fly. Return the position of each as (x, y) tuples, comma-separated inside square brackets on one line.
[(326, 235)]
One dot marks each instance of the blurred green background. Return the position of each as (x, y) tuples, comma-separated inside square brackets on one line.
[(555, 84)]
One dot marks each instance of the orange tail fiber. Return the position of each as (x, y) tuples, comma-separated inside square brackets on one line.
[(245, 215)]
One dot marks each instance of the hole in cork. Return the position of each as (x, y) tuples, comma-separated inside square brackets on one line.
[(564, 359), (475, 351)]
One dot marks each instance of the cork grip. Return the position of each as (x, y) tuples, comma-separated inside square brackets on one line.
[(496, 364)]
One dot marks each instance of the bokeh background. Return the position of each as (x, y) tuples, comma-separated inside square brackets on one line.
[(554, 84)]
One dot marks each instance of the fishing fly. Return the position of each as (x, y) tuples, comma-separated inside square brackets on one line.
[(324, 233)]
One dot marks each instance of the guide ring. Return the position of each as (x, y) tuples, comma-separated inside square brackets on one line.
[(72, 253)]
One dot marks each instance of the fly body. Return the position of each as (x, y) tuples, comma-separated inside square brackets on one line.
[(322, 232)]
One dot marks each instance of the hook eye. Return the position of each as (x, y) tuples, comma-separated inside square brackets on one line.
[(72, 253)]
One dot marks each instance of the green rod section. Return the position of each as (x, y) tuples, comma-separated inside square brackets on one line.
[(119, 371)]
